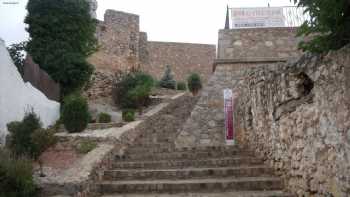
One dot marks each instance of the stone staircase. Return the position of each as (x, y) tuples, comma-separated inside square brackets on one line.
[(153, 167)]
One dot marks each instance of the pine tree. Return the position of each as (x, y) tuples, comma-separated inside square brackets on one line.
[(168, 80)]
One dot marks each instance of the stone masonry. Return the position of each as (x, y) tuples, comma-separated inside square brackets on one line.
[(123, 46), (258, 44), (118, 38), (296, 116), (293, 115), (183, 58), (238, 50)]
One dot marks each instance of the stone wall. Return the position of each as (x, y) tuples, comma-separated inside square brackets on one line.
[(258, 43), (184, 58), (118, 38), (40, 79), (205, 127), (123, 46), (296, 116)]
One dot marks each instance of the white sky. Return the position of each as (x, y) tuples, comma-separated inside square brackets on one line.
[(195, 21)]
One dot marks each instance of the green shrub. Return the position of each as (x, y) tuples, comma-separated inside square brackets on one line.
[(16, 176), (75, 114), (62, 38), (42, 139), (133, 90), (86, 147), (20, 141), (181, 85), (104, 118), (194, 83), (128, 115), (168, 80)]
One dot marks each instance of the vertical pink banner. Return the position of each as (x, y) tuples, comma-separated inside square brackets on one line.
[(228, 110)]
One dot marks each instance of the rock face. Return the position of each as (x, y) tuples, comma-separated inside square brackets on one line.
[(17, 97), (296, 116)]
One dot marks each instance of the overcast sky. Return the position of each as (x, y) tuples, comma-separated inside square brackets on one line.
[(195, 21)]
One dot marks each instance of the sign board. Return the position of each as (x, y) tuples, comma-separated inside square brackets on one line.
[(257, 17), (228, 110)]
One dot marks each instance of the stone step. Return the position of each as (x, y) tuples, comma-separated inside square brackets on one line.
[(152, 145), (171, 148), (184, 155), (277, 193), (192, 185), (185, 163), (133, 174)]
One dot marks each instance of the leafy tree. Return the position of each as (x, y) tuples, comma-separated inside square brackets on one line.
[(329, 24), (167, 80), (62, 37), (17, 53)]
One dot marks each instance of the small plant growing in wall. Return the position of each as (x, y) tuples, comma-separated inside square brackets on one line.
[(168, 80), (128, 115), (181, 86), (104, 118), (75, 114), (194, 83)]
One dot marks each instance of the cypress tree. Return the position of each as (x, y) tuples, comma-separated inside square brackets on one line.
[(62, 36)]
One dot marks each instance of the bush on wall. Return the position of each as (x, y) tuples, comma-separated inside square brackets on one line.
[(168, 80), (104, 118), (133, 90), (181, 85), (128, 115), (194, 83), (75, 114)]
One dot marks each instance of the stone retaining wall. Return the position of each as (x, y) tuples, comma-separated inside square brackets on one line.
[(297, 117)]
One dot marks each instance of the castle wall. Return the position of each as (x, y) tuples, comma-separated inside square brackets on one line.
[(118, 38), (184, 59), (258, 43), (123, 46)]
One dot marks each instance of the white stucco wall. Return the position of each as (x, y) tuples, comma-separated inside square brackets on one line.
[(18, 97)]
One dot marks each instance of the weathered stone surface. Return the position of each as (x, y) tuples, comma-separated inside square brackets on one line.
[(184, 59), (296, 116), (206, 123), (255, 43)]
